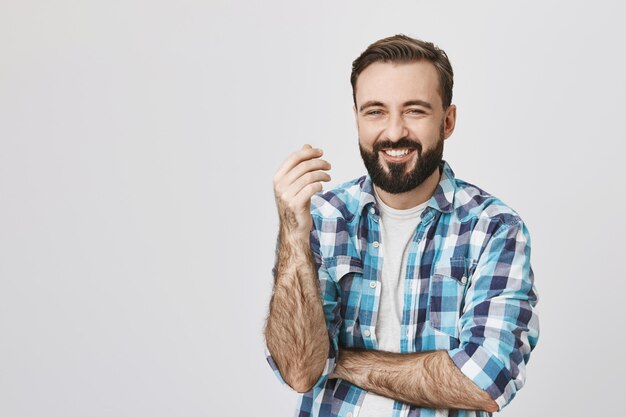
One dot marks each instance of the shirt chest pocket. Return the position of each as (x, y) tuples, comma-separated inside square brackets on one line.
[(347, 272), (448, 284)]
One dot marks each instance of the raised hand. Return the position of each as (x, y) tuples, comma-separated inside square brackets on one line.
[(295, 182), (296, 332)]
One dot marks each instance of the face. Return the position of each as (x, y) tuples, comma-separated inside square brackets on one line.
[(401, 123)]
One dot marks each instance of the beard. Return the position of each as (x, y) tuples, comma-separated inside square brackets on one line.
[(400, 177)]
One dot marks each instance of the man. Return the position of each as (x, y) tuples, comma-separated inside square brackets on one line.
[(407, 292)]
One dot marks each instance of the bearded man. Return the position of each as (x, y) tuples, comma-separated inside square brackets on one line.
[(406, 292)]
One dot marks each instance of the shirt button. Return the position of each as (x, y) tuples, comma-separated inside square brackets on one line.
[(373, 284), (373, 210), (367, 333), (464, 280), (349, 415), (375, 244)]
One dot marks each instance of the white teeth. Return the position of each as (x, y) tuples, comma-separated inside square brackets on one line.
[(397, 152)]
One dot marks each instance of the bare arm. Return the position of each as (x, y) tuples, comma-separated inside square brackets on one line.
[(295, 330), (426, 379)]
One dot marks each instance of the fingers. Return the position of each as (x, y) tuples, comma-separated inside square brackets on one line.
[(300, 169), (307, 185), (305, 153), (296, 181), (302, 189), (305, 168), (303, 197)]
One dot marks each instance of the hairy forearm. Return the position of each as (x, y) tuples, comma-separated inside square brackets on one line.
[(295, 330), (428, 379)]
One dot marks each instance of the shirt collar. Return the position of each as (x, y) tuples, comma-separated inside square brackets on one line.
[(442, 199)]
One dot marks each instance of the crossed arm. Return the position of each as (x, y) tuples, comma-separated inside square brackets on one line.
[(298, 340), (498, 329), (427, 379)]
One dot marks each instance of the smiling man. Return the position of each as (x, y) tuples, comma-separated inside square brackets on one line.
[(406, 292)]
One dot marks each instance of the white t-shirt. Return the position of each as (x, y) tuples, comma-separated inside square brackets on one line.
[(397, 230)]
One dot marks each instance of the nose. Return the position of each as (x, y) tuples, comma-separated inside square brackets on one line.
[(396, 128)]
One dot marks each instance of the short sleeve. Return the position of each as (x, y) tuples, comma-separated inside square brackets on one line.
[(499, 327)]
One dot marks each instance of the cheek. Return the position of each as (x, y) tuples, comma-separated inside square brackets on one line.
[(427, 133), (368, 135)]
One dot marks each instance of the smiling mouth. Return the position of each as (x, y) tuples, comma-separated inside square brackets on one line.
[(397, 155)]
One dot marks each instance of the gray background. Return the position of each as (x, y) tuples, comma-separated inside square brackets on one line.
[(138, 140)]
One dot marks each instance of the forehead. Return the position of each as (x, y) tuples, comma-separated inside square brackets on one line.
[(394, 83)]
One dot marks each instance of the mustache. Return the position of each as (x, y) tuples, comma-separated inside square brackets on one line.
[(401, 143)]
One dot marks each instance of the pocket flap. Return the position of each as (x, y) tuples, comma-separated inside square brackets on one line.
[(341, 265), (453, 268)]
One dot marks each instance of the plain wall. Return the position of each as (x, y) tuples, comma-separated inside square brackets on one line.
[(138, 140)]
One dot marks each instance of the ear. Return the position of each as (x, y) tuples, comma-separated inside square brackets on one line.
[(356, 117), (449, 121)]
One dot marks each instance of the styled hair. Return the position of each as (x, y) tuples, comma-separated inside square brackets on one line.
[(401, 48)]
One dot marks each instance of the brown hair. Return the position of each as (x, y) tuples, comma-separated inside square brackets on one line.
[(401, 48)]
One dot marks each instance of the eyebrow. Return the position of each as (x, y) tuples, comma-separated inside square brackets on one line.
[(371, 103), (374, 103), (419, 103)]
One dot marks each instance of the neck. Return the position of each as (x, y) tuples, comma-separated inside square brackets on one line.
[(414, 197)]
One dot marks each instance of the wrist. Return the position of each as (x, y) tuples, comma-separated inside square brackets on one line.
[(346, 369), (294, 236)]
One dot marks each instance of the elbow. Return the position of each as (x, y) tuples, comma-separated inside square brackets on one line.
[(302, 383), (301, 387), (302, 377), (300, 369), (490, 406)]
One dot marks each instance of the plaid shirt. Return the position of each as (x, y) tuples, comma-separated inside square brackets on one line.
[(468, 290)]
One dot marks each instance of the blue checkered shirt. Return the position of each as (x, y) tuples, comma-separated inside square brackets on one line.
[(468, 290)]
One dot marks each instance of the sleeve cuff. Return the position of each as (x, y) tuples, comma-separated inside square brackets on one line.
[(270, 360), (486, 371)]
